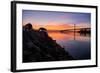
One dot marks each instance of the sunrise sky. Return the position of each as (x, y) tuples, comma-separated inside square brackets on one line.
[(52, 20)]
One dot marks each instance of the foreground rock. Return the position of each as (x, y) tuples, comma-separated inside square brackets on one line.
[(38, 47)]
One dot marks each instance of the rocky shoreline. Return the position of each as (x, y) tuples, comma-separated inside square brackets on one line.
[(39, 47)]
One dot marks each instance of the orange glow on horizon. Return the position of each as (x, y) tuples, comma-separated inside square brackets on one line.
[(59, 27), (54, 27)]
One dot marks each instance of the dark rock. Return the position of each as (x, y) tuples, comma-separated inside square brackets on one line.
[(38, 47)]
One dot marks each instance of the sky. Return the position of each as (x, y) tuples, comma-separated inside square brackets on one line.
[(53, 20)]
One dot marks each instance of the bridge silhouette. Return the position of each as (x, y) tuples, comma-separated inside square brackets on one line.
[(83, 31), (79, 29)]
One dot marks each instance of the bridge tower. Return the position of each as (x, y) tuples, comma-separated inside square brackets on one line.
[(74, 30)]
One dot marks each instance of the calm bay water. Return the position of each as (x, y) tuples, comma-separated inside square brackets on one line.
[(76, 44)]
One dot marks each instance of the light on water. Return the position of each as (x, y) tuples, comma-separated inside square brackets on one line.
[(78, 45)]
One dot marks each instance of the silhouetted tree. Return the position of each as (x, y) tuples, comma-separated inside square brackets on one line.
[(43, 32), (28, 26)]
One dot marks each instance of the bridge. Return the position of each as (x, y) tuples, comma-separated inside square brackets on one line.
[(78, 29)]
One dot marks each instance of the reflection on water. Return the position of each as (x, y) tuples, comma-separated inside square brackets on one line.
[(77, 44)]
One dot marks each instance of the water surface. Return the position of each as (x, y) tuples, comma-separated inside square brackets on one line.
[(78, 45)]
